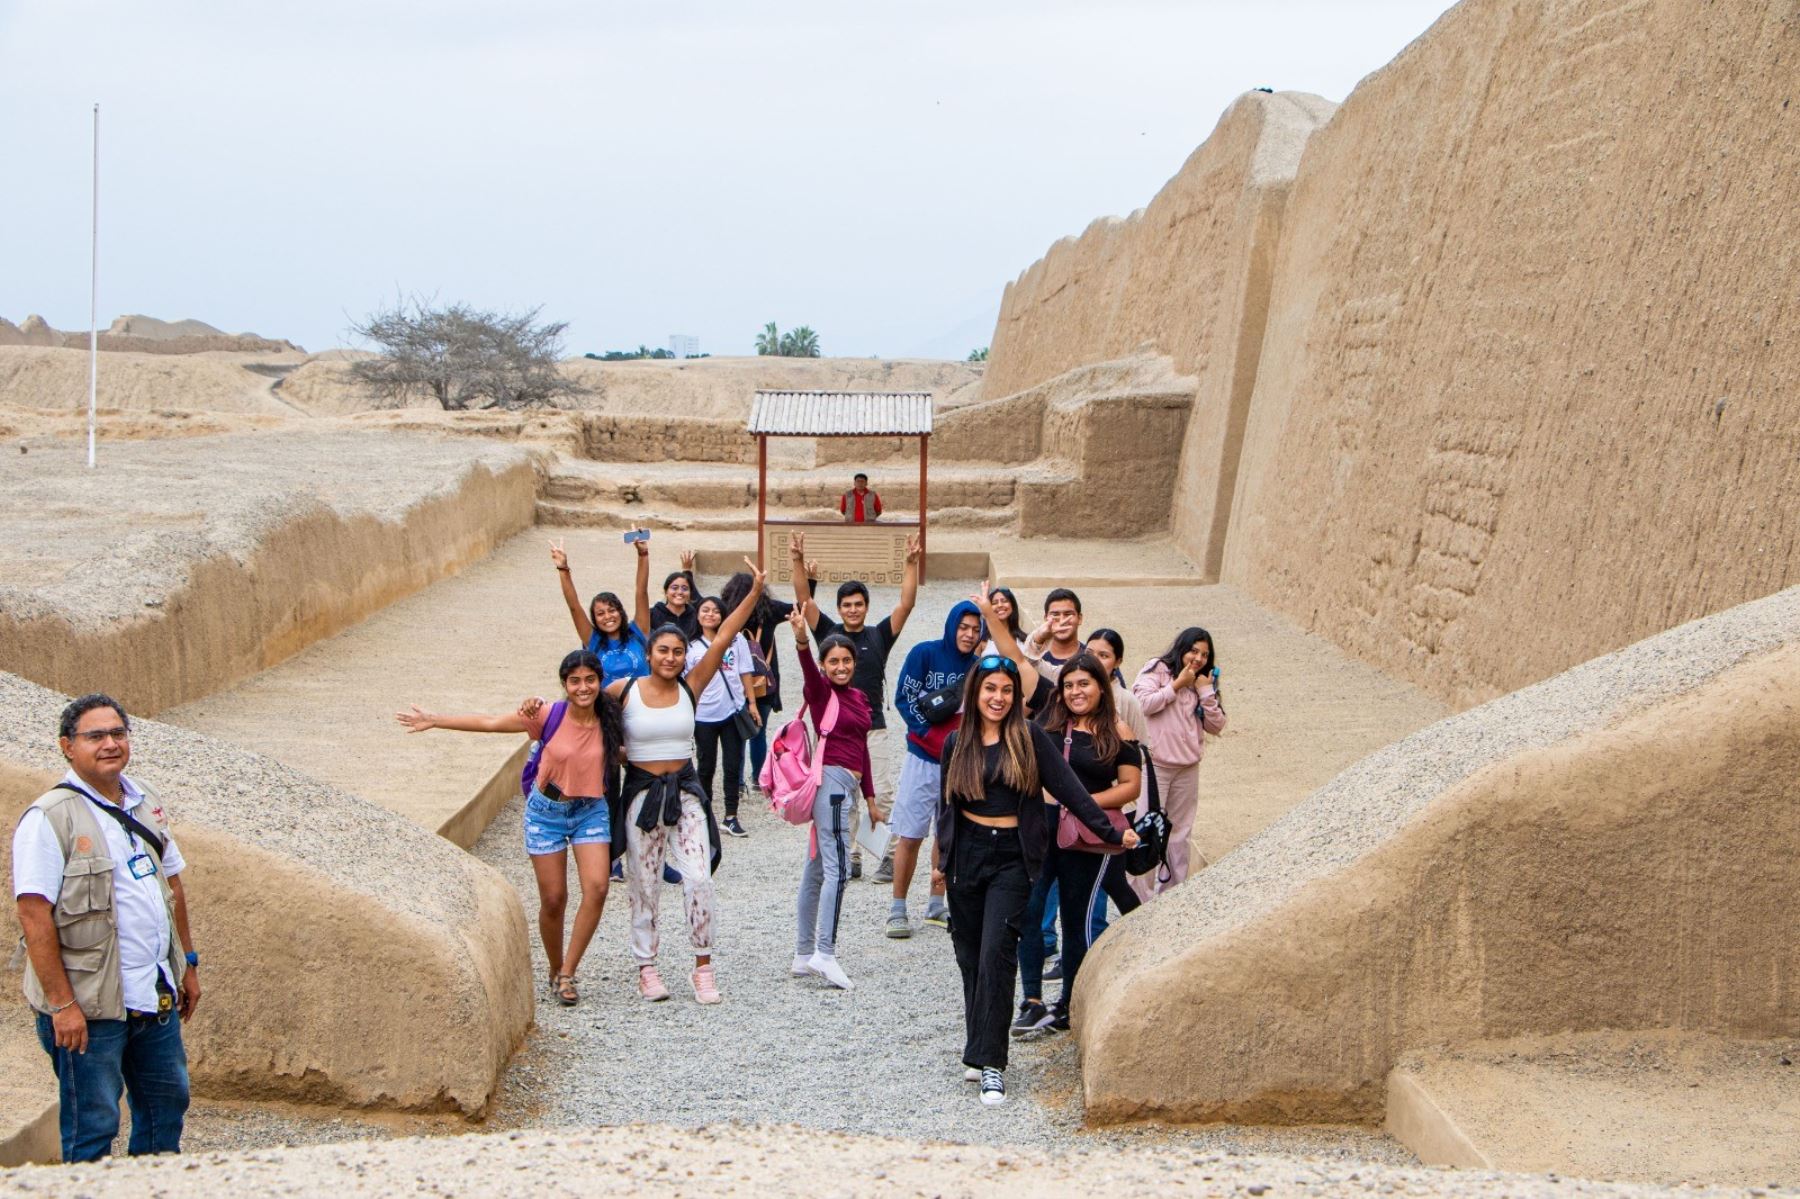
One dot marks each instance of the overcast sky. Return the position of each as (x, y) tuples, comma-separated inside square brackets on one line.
[(879, 172)]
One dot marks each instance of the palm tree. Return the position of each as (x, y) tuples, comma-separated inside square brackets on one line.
[(801, 342), (978, 355), (769, 340)]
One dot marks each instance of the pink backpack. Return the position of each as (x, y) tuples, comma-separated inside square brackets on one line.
[(792, 771)]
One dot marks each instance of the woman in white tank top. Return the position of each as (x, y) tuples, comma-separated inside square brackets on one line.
[(666, 814)]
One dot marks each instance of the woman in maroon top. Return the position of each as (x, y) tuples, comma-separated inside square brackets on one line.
[(846, 773)]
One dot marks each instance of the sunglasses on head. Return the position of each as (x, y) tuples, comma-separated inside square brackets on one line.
[(997, 662)]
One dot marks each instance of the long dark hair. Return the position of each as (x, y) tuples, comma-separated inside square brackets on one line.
[(626, 635), (1103, 720), (733, 593), (965, 774), (1186, 640), (714, 600), (607, 710), (1012, 621)]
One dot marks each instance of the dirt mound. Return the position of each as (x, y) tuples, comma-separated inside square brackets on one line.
[(1614, 848), (56, 380), (408, 986)]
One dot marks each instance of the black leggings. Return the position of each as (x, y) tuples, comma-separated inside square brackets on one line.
[(709, 736), (1084, 881), (987, 901)]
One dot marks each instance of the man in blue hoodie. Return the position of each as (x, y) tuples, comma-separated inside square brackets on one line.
[(930, 666)]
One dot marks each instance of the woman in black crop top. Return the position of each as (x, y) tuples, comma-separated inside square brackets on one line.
[(1104, 753), (993, 834)]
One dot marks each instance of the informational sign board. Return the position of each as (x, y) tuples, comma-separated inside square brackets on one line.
[(874, 553)]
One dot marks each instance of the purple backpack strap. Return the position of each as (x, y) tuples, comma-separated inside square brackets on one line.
[(553, 721)]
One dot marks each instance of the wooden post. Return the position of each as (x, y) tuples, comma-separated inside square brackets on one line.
[(762, 495), (924, 505)]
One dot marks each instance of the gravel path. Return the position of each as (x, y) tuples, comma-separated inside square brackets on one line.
[(881, 1059)]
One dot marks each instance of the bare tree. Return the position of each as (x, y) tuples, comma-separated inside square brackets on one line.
[(463, 357)]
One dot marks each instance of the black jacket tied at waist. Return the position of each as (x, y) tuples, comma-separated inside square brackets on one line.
[(662, 801)]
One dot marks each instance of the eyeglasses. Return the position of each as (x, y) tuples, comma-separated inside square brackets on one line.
[(997, 662), (98, 736)]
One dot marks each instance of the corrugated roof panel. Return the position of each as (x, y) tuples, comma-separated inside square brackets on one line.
[(841, 413)]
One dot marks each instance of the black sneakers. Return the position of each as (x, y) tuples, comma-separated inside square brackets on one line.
[(1059, 1019), (1033, 1017), (732, 826), (993, 1086)]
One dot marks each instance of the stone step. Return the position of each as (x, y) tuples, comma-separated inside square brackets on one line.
[(1658, 1106), (615, 515), (789, 491)]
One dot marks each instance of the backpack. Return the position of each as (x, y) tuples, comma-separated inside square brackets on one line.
[(528, 776), (795, 766)]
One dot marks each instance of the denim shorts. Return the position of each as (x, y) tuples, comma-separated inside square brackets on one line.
[(552, 825)]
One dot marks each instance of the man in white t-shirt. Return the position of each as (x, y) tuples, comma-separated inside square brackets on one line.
[(111, 967)]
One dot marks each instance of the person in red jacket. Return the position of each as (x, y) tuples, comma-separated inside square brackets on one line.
[(860, 505)]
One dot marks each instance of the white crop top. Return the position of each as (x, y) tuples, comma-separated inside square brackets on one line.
[(658, 734)]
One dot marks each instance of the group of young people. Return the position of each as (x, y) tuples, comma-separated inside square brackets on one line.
[(1029, 760)]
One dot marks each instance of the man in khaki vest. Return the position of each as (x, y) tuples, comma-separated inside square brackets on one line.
[(110, 964)]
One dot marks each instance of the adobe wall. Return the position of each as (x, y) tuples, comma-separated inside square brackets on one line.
[(1614, 848), (1186, 277), (409, 983), (206, 560), (1527, 384)]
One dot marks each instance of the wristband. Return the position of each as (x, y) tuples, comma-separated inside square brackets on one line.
[(61, 1007), (562, 570), (193, 959)]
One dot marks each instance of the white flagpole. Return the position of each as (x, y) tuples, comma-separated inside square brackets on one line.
[(94, 298)]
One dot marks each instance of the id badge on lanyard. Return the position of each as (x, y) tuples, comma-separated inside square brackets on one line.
[(141, 865)]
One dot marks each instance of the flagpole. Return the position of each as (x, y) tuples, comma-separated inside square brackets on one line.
[(94, 297)]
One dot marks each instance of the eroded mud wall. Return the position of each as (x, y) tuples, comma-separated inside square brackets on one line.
[(1528, 384), (1186, 277)]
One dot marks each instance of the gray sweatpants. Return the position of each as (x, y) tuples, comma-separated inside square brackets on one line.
[(827, 870)]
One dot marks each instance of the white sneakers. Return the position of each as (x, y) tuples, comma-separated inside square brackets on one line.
[(993, 1087), (827, 968)]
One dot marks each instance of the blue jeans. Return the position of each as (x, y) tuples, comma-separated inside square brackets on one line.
[(552, 825), (141, 1055)]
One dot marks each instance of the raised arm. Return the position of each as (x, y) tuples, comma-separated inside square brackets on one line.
[(584, 625), (909, 585), (704, 670), (1060, 781), (417, 720), (1153, 692), (642, 589), (1212, 714), (814, 689), (803, 599), (1004, 642)]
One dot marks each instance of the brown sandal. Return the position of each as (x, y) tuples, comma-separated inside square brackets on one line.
[(564, 987)]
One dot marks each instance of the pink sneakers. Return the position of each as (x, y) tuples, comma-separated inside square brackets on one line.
[(650, 984), (706, 987)]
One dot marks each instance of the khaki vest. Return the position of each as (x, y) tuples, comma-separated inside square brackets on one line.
[(86, 925)]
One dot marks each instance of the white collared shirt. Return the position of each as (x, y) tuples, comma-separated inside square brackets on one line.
[(143, 919)]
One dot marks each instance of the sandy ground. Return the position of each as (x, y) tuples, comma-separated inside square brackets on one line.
[(1644, 1106), (762, 1161)]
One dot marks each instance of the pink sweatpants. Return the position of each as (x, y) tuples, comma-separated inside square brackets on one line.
[(1179, 789)]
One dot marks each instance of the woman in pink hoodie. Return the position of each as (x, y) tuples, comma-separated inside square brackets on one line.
[(1179, 693)]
